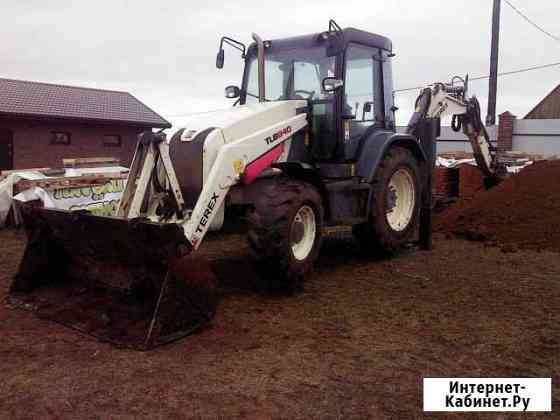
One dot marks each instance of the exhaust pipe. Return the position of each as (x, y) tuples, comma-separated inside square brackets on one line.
[(260, 62)]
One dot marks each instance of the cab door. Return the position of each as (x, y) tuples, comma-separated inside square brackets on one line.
[(363, 98), (307, 85)]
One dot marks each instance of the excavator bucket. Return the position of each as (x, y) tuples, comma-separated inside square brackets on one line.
[(129, 282)]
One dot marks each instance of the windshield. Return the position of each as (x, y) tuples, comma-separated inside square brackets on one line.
[(290, 74)]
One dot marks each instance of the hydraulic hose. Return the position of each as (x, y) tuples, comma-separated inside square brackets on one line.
[(421, 107)]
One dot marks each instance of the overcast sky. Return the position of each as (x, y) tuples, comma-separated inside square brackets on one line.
[(164, 51)]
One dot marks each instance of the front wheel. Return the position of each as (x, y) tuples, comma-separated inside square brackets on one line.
[(393, 217), (285, 231)]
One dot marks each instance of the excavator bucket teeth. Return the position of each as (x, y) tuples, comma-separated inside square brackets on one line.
[(129, 282)]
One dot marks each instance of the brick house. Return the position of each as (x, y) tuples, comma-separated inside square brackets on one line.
[(537, 133), (547, 108), (41, 123)]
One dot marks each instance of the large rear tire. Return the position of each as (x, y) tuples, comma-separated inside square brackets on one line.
[(285, 232), (393, 218)]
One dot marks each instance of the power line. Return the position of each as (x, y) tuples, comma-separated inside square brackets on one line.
[(194, 113), (531, 22), (505, 73)]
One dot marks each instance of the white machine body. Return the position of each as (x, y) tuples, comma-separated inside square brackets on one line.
[(238, 144)]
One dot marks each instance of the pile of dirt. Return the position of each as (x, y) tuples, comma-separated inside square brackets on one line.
[(522, 212)]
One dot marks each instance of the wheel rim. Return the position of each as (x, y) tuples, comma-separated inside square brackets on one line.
[(401, 199), (303, 232)]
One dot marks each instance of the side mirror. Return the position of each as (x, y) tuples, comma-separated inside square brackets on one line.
[(232, 92), (367, 108), (220, 59), (330, 84)]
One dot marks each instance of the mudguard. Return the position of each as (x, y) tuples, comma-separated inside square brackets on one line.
[(297, 170), (376, 145)]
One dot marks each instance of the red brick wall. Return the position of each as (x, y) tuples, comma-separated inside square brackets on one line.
[(33, 148), (471, 181), (445, 183), (464, 182), (505, 132)]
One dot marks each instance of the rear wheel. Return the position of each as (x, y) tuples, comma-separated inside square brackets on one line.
[(285, 231), (393, 217)]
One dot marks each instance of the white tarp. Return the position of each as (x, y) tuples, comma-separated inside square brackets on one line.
[(100, 199), (7, 190), (512, 167), (453, 163)]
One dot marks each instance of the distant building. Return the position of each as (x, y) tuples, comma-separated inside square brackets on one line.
[(41, 123), (547, 108)]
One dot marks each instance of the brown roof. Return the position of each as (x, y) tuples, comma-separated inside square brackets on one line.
[(34, 99), (548, 107)]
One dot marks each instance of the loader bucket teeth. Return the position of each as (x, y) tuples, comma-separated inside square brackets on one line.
[(129, 282)]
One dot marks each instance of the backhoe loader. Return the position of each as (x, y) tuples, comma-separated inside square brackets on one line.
[(310, 142)]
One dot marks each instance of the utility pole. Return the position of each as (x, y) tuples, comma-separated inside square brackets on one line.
[(493, 84)]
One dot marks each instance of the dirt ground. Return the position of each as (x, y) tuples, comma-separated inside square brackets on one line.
[(522, 212), (355, 344)]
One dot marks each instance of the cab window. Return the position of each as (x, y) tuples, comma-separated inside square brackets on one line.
[(362, 75), (291, 74)]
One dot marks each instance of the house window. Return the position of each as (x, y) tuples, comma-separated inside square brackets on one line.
[(60, 137), (112, 140)]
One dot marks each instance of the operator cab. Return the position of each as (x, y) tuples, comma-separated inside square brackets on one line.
[(345, 74)]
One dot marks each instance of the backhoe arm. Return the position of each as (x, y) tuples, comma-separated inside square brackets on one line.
[(442, 99)]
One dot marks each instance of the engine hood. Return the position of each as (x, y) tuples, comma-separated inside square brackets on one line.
[(240, 121)]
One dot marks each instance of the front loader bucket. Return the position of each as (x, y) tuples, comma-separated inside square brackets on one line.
[(130, 282)]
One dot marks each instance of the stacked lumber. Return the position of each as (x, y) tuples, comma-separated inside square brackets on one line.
[(67, 182), (90, 162), (457, 155), (62, 178)]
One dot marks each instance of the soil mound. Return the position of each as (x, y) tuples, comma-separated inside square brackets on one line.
[(522, 212)]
